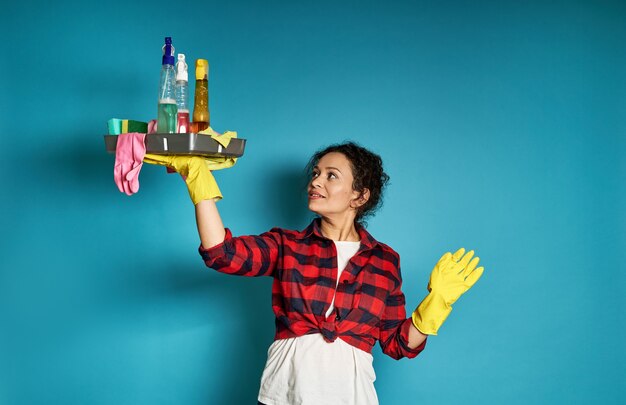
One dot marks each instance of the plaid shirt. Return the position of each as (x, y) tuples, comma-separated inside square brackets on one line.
[(369, 303)]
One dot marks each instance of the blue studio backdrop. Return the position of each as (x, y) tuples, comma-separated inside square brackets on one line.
[(501, 124)]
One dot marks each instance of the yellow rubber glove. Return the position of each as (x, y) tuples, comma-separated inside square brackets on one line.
[(195, 170), (453, 275)]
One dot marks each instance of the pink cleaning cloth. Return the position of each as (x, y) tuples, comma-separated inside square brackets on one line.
[(129, 154), (152, 126)]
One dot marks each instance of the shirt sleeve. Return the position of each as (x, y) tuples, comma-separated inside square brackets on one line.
[(252, 256), (394, 325)]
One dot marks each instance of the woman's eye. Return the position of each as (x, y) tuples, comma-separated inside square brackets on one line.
[(332, 175), (314, 174)]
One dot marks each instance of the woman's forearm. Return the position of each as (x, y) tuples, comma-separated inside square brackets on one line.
[(416, 337), (209, 222)]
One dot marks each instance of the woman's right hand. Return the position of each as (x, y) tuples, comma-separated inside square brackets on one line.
[(200, 181)]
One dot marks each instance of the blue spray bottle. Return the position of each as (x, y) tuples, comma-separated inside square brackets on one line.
[(166, 119)]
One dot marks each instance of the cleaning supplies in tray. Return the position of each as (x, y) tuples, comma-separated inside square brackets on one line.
[(192, 149), (173, 133)]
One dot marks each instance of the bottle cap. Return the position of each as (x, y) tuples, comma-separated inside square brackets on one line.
[(202, 69), (181, 68), (168, 52)]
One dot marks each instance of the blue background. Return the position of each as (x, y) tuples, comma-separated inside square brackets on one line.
[(502, 126)]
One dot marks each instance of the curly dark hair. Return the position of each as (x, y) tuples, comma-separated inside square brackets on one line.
[(367, 170)]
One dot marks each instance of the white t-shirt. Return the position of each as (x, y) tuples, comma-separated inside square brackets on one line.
[(307, 370)]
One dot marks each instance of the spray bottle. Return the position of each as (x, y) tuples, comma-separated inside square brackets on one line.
[(201, 117), (181, 95), (166, 121)]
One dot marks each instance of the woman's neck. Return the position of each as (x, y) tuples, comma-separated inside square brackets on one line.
[(339, 230)]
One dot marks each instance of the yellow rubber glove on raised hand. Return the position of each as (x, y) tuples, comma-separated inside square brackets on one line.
[(453, 275), (195, 170)]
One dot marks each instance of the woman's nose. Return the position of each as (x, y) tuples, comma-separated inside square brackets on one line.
[(316, 182)]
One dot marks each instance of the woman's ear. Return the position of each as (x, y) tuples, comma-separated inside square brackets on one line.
[(363, 197)]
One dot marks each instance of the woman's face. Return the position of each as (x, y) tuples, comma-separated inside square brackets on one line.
[(330, 188)]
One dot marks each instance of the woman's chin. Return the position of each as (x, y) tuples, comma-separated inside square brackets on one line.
[(313, 210)]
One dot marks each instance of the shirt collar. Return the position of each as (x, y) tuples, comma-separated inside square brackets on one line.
[(314, 229)]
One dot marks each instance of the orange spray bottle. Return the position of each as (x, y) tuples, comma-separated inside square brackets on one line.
[(201, 115)]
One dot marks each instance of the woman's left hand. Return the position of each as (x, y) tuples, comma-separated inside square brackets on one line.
[(452, 276)]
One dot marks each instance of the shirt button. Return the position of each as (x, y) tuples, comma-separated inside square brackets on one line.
[(345, 281)]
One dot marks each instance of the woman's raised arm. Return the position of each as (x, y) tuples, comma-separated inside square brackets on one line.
[(203, 191), (210, 226)]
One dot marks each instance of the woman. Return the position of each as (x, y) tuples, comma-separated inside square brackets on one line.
[(336, 289)]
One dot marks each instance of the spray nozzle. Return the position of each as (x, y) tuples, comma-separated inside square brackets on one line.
[(202, 69), (181, 68), (168, 52)]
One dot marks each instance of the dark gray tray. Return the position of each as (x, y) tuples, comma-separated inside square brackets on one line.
[(184, 144)]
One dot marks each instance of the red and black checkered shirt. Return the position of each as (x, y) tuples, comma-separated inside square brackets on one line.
[(369, 303)]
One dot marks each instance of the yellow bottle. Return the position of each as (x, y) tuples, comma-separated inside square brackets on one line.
[(201, 115)]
